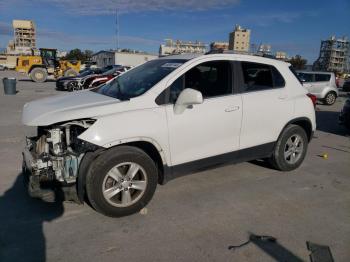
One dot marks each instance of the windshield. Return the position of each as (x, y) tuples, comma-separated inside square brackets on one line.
[(140, 79), (110, 72), (85, 73)]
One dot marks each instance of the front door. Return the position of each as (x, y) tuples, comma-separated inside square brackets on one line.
[(211, 128)]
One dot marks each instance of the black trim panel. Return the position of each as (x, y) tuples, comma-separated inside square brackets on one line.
[(243, 155)]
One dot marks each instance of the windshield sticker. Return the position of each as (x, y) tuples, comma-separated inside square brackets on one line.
[(172, 65)]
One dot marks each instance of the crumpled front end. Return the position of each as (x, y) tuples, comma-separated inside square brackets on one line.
[(51, 160)]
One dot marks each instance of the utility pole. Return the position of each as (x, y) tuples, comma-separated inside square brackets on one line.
[(116, 29)]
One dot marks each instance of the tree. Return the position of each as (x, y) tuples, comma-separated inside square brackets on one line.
[(77, 54), (298, 62)]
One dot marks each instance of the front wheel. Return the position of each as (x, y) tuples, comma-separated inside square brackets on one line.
[(290, 149), (38, 74), (121, 181)]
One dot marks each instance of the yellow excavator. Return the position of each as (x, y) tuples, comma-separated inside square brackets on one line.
[(39, 67)]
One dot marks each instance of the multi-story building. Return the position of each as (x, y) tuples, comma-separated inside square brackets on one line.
[(239, 39), (181, 47), (334, 55), (216, 46), (24, 37)]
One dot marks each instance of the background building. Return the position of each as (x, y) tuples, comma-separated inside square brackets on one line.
[(334, 55), (281, 55), (215, 46), (24, 37), (181, 47), (239, 39), (105, 58)]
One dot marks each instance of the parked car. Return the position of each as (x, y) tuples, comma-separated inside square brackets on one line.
[(62, 82), (105, 77), (96, 80), (346, 85), (344, 117), (2, 68), (84, 82), (320, 84), (165, 118)]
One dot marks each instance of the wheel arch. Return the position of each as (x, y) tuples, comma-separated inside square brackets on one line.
[(36, 66), (304, 123), (151, 148)]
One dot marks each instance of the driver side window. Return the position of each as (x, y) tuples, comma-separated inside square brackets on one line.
[(211, 79)]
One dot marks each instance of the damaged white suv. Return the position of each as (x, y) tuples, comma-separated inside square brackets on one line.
[(165, 118)]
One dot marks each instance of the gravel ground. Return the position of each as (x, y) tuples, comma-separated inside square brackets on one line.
[(193, 218)]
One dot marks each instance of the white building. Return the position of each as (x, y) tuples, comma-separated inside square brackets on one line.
[(181, 47), (105, 58)]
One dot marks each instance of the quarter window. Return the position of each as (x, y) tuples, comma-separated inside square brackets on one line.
[(259, 77), (210, 78)]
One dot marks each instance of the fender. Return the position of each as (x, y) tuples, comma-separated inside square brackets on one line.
[(137, 139)]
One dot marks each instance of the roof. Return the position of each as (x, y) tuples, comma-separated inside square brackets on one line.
[(253, 58), (314, 72)]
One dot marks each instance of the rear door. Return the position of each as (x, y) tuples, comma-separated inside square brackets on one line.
[(266, 104), (321, 81)]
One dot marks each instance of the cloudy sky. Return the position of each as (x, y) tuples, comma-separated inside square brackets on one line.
[(293, 26)]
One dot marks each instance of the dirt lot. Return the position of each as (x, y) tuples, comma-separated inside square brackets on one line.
[(193, 218)]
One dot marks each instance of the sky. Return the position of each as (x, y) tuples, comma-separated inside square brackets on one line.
[(296, 27)]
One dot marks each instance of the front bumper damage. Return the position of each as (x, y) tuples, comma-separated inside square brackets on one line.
[(51, 162)]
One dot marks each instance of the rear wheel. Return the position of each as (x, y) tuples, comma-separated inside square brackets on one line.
[(38, 74), (121, 181), (70, 72), (330, 98), (290, 149)]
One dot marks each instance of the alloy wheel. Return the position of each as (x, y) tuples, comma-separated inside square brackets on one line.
[(293, 149), (124, 184)]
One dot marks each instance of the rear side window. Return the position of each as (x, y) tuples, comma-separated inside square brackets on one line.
[(259, 77), (322, 77)]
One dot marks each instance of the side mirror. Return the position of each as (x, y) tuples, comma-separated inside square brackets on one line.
[(187, 97)]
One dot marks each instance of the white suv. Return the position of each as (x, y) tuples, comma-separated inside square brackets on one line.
[(165, 118)]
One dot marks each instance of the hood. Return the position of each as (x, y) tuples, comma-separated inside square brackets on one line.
[(77, 105)]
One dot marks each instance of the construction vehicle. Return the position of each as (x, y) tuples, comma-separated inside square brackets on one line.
[(40, 66)]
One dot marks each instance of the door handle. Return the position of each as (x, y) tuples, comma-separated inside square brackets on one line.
[(230, 109)]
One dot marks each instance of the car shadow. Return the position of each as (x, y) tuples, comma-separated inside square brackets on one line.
[(29, 80), (327, 121), (21, 224)]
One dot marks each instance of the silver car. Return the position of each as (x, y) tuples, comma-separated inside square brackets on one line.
[(320, 84)]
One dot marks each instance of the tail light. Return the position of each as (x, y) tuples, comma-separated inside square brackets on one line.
[(313, 98)]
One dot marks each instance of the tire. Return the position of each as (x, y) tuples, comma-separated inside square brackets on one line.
[(108, 188), (70, 72), (73, 86), (330, 98), (38, 75), (279, 159)]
